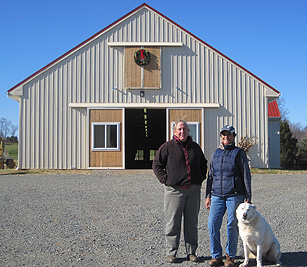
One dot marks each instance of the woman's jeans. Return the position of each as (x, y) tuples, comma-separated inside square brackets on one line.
[(178, 203), (217, 210)]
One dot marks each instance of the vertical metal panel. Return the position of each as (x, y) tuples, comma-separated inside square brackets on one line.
[(54, 136), (274, 143)]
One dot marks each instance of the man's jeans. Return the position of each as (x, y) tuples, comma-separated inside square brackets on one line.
[(217, 210)]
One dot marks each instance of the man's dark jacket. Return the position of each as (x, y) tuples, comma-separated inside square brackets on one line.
[(175, 168)]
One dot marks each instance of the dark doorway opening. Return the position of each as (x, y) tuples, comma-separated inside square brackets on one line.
[(145, 133)]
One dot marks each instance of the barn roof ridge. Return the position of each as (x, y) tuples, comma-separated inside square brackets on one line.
[(96, 35)]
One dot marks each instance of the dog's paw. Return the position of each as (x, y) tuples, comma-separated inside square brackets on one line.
[(243, 264)]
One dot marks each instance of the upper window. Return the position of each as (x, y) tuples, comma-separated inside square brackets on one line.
[(105, 136), (194, 130)]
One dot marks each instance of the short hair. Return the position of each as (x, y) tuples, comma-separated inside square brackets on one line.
[(176, 124)]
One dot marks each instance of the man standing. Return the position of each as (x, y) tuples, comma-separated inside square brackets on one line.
[(181, 166), (228, 185)]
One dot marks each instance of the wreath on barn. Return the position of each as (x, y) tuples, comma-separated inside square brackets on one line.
[(141, 57)]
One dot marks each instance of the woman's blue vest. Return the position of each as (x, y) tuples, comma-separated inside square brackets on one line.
[(227, 178)]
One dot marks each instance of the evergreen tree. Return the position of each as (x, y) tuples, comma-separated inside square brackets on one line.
[(302, 156), (288, 146)]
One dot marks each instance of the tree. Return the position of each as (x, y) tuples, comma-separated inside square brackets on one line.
[(7, 128), (281, 102), (302, 156), (298, 131), (4, 127), (288, 146)]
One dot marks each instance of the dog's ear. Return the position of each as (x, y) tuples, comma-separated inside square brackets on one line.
[(253, 207)]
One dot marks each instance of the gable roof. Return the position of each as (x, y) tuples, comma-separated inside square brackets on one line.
[(144, 5)]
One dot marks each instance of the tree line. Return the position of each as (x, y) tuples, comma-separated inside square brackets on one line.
[(293, 141)]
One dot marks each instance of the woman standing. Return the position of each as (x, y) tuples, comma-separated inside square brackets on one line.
[(228, 185)]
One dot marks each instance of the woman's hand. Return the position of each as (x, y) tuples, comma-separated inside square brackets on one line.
[(208, 203)]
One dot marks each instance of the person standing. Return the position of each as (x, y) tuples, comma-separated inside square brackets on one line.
[(228, 185), (181, 166)]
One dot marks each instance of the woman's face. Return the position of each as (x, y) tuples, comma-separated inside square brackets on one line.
[(227, 138), (182, 131)]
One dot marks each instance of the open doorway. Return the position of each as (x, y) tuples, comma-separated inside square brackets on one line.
[(145, 132)]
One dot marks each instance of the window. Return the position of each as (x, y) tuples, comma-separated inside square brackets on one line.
[(152, 154), (105, 136), (139, 155), (194, 130)]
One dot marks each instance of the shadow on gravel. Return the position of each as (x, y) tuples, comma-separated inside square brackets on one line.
[(201, 259), (288, 259), (294, 259)]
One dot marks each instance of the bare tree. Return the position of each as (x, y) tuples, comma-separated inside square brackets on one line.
[(14, 129), (246, 142), (281, 102), (3, 127), (7, 128)]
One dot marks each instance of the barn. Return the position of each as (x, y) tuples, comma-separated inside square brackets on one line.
[(111, 101)]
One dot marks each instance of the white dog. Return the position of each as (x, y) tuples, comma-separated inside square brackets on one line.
[(257, 236)]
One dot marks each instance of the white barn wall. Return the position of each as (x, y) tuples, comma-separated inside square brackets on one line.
[(55, 135)]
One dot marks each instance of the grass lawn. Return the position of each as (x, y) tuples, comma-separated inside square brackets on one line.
[(276, 171), (12, 150)]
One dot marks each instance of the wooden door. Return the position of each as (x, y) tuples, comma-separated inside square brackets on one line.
[(106, 159)]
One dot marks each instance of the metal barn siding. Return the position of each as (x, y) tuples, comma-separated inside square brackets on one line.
[(53, 129), (274, 143), (52, 136)]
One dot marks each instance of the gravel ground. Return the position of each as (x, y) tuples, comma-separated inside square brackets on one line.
[(115, 218)]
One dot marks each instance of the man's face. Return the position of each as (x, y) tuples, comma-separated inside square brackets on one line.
[(182, 131), (227, 138)]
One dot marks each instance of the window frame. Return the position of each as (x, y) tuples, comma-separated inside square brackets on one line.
[(106, 124)]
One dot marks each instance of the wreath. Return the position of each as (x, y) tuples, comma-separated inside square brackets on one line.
[(141, 57)]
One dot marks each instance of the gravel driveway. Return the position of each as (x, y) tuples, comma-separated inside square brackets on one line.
[(115, 218)]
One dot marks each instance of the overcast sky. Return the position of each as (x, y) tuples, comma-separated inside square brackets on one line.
[(266, 37)]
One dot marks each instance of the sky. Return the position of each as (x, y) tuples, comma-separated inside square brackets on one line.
[(266, 37)]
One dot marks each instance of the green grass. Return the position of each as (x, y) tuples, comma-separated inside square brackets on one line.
[(276, 171), (12, 150)]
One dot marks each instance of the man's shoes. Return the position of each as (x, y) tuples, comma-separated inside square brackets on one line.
[(193, 258), (216, 262), (229, 262), (171, 259)]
